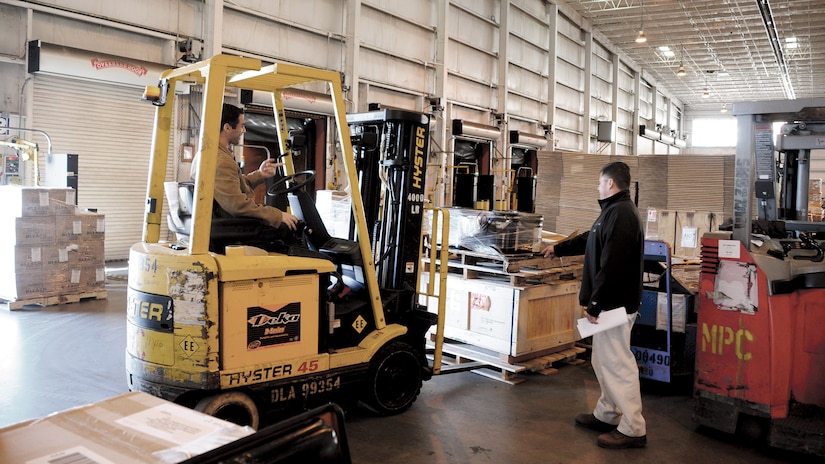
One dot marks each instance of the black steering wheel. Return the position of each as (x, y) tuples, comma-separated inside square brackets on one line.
[(290, 183)]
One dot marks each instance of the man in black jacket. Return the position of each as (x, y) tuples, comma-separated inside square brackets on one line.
[(612, 278)]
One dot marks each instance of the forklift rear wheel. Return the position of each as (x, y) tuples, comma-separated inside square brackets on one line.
[(394, 379), (234, 407)]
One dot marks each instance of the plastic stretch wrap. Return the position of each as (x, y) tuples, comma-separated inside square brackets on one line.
[(493, 232)]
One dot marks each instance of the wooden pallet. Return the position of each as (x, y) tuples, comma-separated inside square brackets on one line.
[(12, 305), (548, 363), (519, 270), (464, 357)]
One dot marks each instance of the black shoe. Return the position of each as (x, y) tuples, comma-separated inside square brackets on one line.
[(589, 421), (618, 440)]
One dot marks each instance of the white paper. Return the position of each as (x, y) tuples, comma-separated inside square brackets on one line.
[(172, 423), (729, 249), (607, 320), (677, 321), (689, 237)]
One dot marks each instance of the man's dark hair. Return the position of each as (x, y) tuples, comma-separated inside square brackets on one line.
[(231, 115), (619, 172)]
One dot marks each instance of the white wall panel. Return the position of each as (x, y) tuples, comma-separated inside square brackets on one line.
[(244, 32), (645, 103), (473, 30), (10, 85), (473, 45), (82, 35), (471, 59), (570, 127), (404, 58), (529, 42), (472, 63), (527, 83), (529, 18), (322, 15), (397, 72), (661, 109), (457, 111), (625, 112), (419, 11), (569, 74), (371, 93), (408, 39), (528, 54), (487, 9), (526, 107), (14, 31), (160, 15), (601, 101), (469, 92)]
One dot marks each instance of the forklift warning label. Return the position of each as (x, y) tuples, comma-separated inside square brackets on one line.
[(273, 325)]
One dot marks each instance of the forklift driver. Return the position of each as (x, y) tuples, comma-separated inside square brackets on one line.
[(234, 189)]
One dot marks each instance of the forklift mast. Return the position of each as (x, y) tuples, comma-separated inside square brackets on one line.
[(391, 148)]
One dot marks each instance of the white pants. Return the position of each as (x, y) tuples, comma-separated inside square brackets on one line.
[(618, 376)]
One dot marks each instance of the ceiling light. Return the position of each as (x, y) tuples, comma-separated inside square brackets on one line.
[(641, 38), (681, 71), (706, 94), (723, 74), (790, 42), (724, 108)]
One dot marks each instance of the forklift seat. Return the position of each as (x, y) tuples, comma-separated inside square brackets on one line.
[(341, 250), (226, 229)]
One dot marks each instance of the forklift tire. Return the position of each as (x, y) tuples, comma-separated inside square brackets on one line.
[(235, 407), (394, 379)]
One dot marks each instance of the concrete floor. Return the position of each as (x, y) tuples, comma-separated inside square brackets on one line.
[(57, 357)]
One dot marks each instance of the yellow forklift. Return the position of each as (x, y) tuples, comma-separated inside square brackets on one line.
[(250, 333)]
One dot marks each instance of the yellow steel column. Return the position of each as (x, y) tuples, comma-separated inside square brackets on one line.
[(357, 203), (283, 131), (158, 160)]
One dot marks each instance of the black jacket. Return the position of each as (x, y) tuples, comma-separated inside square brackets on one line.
[(613, 257)]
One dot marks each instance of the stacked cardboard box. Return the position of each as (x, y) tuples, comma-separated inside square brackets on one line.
[(130, 428), (52, 247)]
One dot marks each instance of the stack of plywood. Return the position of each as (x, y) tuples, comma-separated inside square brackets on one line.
[(697, 183), (548, 188), (652, 194), (54, 251)]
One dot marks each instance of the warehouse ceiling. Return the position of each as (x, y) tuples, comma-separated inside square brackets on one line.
[(737, 50)]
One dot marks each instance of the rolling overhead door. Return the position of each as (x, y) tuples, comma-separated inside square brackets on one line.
[(110, 129)]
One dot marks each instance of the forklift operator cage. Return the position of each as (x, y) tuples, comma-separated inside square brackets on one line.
[(215, 74)]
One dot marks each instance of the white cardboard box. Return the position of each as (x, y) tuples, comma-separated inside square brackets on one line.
[(130, 428)]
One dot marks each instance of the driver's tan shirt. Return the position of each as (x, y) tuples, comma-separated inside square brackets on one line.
[(234, 190)]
